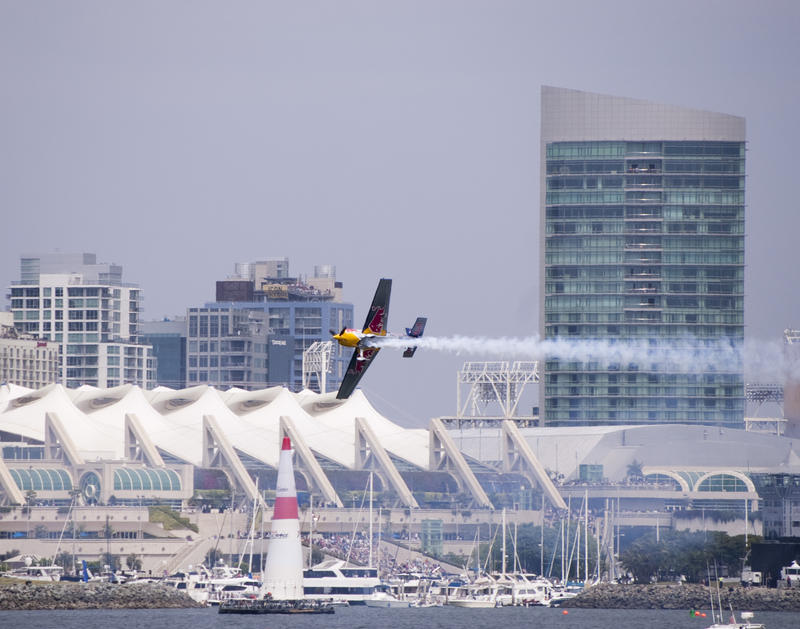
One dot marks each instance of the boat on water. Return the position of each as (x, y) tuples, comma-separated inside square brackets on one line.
[(36, 573), (480, 593), (336, 579), (382, 597), (473, 603), (211, 587), (717, 614), (559, 594), (521, 589), (270, 606), (733, 623), (426, 603)]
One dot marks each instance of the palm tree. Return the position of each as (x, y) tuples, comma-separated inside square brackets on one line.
[(134, 562), (635, 470)]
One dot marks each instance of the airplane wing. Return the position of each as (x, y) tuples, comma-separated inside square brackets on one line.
[(356, 369), (375, 324), (378, 315)]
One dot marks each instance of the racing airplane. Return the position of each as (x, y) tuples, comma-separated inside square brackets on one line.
[(367, 341)]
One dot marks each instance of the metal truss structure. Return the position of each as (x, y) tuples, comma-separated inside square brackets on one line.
[(317, 363), (761, 393), (756, 395), (495, 382)]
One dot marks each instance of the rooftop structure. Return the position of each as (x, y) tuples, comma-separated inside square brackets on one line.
[(85, 265), (497, 385)]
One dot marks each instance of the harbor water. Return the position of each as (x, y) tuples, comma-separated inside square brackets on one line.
[(374, 618)]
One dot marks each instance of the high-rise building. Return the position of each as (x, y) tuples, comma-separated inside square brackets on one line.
[(642, 239), (83, 306), (255, 333), (168, 339)]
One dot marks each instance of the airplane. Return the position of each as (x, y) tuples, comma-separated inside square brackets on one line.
[(366, 342)]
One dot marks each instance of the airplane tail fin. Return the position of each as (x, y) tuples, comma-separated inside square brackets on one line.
[(415, 332)]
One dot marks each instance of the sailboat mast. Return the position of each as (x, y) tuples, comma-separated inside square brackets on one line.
[(541, 541), (563, 553), (504, 541), (252, 535), (517, 563), (746, 524), (577, 548), (370, 519), (310, 528), (586, 536)]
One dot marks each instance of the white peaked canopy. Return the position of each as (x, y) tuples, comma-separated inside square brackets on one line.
[(95, 420), (411, 445), (25, 415), (323, 440)]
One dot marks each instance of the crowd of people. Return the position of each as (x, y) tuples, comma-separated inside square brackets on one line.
[(357, 550)]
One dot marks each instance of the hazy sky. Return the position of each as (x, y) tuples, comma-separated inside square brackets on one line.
[(390, 139)]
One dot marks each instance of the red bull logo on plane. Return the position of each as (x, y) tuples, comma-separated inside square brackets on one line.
[(376, 323), (367, 356)]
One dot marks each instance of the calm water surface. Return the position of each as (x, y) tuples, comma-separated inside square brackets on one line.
[(368, 618)]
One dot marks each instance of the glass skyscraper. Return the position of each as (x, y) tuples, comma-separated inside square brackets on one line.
[(642, 240)]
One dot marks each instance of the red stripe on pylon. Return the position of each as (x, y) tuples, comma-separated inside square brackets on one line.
[(285, 508)]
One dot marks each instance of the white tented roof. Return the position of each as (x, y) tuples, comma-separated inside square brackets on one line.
[(173, 419)]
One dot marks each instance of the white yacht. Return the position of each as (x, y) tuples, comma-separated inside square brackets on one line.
[(36, 573), (518, 588), (414, 588), (335, 579), (531, 589), (382, 597), (211, 587), (482, 592)]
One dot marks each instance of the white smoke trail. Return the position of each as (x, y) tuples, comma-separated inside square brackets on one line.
[(763, 361)]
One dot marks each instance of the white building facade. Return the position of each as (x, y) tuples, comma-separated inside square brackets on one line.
[(26, 361), (84, 308)]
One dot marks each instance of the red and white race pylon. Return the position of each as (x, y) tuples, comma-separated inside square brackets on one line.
[(283, 569)]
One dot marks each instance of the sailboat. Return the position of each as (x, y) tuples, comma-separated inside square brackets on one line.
[(716, 615), (482, 591), (382, 595), (744, 623), (282, 586)]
